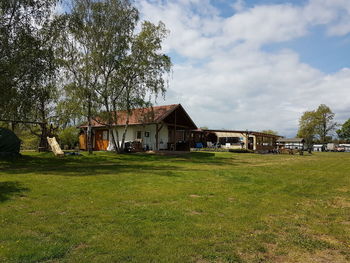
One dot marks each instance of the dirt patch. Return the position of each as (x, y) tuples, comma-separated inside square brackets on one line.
[(324, 256), (194, 212), (231, 199), (343, 189), (80, 246), (340, 202), (195, 196)]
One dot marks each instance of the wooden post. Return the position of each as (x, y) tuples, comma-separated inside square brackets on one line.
[(175, 133), (157, 137)]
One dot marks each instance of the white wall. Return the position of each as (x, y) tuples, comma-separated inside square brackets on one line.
[(150, 141)]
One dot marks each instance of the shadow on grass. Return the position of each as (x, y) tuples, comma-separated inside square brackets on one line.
[(8, 189), (99, 164), (108, 163)]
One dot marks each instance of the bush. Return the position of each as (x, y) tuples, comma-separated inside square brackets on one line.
[(69, 136)]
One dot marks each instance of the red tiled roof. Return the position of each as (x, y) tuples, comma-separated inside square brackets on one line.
[(139, 116)]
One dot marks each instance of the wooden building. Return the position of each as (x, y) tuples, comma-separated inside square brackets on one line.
[(236, 139), (156, 128), (291, 143)]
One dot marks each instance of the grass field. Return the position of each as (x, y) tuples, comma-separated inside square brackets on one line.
[(200, 207)]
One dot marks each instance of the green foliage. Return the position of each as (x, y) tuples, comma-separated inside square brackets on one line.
[(69, 136), (344, 132), (307, 127), (25, 60), (324, 122), (29, 140), (111, 64), (317, 124)]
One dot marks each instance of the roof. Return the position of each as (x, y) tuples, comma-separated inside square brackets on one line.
[(291, 140), (226, 133), (141, 116), (223, 134)]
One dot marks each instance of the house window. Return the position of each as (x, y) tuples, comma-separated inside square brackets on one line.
[(146, 134), (138, 135)]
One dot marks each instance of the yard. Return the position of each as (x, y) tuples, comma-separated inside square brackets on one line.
[(199, 207)]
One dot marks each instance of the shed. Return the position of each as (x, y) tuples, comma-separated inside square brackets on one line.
[(291, 143)]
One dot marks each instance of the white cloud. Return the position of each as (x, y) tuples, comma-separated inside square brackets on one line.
[(239, 5), (228, 81)]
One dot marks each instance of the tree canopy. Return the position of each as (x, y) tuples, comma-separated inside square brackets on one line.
[(111, 65), (317, 125), (344, 131)]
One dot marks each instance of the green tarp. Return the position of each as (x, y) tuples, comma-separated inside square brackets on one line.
[(9, 142)]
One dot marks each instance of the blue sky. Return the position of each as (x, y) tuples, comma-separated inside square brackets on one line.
[(256, 64), (249, 64)]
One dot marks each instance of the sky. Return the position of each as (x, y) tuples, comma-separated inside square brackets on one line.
[(255, 65)]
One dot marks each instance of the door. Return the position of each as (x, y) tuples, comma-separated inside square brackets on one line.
[(101, 140), (251, 143)]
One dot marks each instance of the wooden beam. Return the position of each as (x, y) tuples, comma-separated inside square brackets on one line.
[(157, 137), (175, 132), (30, 122)]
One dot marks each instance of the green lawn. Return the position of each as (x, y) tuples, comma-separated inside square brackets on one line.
[(200, 207)]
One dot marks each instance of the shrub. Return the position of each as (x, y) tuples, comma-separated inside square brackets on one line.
[(69, 136)]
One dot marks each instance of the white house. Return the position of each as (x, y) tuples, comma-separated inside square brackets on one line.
[(155, 128)]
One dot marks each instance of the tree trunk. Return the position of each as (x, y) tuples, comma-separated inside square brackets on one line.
[(115, 144), (89, 133), (43, 144), (124, 134)]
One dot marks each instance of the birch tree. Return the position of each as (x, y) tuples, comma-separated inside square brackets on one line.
[(121, 67)]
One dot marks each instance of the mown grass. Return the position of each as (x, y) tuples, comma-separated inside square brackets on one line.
[(200, 207)]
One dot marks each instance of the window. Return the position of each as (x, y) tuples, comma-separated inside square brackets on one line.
[(138, 135), (146, 134)]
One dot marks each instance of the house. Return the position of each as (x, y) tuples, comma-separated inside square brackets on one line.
[(236, 139), (291, 143), (155, 128)]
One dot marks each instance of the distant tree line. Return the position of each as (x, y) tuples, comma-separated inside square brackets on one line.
[(59, 70)]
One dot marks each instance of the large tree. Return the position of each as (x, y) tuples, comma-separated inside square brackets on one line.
[(317, 125), (324, 123), (344, 131), (75, 52), (24, 58), (307, 127), (110, 63)]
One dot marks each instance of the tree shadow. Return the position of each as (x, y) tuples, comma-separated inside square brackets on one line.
[(109, 163), (84, 165), (8, 189)]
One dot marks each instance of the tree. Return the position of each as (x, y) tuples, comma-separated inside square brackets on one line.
[(69, 136), (270, 132), (74, 49), (111, 65), (324, 122), (344, 131), (24, 59), (317, 124), (307, 127)]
